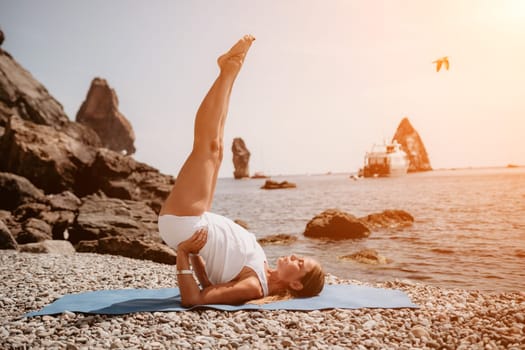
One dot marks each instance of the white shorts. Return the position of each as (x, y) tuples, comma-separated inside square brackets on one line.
[(174, 229)]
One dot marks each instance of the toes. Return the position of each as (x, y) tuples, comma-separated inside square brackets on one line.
[(237, 53)]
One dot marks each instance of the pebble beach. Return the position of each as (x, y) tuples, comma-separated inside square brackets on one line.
[(446, 319)]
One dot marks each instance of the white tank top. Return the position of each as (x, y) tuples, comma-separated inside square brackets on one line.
[(229, 248)]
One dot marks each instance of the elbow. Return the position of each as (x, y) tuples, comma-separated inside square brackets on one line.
[(186, 304), (189, 302)]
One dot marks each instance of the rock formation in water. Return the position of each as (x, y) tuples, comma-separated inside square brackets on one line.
[(336, 224), (278, 239), (100, 112), (413, 146), (274, 185), (241, 159), (391, 218), (58, 182), (365, 256)]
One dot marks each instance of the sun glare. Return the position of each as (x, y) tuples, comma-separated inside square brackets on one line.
[(504, 12), (513, 9)]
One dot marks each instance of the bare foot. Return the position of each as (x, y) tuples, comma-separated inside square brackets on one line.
[(231, 61)]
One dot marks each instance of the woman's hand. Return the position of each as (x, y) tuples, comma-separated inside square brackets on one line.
[(195, 243)]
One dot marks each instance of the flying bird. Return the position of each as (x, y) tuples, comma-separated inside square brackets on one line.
[(441, 61)]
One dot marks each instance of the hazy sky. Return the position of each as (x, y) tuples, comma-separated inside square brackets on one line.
[(323, 81)]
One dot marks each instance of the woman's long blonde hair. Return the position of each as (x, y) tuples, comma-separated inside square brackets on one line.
[(313, 284)]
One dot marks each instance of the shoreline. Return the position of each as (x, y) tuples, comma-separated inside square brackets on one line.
[(446, 319)]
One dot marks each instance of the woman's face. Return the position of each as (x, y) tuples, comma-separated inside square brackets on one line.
[(291, 269)]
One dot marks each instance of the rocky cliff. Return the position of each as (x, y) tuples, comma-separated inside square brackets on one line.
[(59, 182), (413, 146), (23, 96), (241, 159)]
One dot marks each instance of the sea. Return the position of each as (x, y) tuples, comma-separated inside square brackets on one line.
[(468, 233)]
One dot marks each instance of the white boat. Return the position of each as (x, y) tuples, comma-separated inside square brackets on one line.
[(387, 159)]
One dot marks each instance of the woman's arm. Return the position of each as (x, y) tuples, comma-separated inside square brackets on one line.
[(245, 287), (187, 285), (200, 270)]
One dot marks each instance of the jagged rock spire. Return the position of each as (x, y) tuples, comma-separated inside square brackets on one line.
[(413, 146)]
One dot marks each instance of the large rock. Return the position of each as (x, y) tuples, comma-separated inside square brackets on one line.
[(59, 212), (336, 224), (274, 185), (12, 225), (49, 246), (413, 146), (241, 159), (50, 159), (25, 97), (64, 201), (16, 190), (123, 177), (131, 248), (388, 219), (29, 210), (7, 240), (55, 162), (34, 230), (101, 217), (82, 133), (366, 256), (100, 112), (59, 221), (278, 239)]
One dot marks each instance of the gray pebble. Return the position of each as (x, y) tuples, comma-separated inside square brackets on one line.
[(446, 319)]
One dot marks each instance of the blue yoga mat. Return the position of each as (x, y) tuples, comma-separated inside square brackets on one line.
[(124, 301)]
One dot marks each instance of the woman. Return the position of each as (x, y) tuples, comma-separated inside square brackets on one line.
[(227, 260)]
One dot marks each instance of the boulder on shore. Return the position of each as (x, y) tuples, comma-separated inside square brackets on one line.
[(34, 230), (241, 159), (131, 248), (7, 241), (123, 177), (101, 217), (49, 158), (49, 246), (66, 163), (56, 211), (13, 226), (16, 190), (336, 224)]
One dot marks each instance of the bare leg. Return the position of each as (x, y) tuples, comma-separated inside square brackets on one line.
[(194, 187)]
